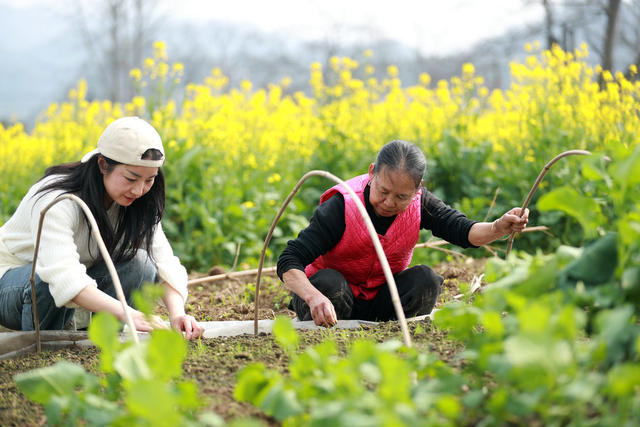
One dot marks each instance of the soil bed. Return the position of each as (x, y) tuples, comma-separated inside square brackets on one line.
[(214, 363)]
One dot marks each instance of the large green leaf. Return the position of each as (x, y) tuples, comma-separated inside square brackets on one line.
[(617, 328), (285, 334), (166, 351), (396, 378), (630, 282), (152, 401), (252, 381), (627, 171), (103, 331), (131, 363), (623, 379), (583, 209), (280, 403), (595, 265), (61, 379)]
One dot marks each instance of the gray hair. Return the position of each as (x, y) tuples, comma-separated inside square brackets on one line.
[(402, 156)]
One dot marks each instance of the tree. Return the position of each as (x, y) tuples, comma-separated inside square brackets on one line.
[(118, 43), (630, 39), (611, 11)]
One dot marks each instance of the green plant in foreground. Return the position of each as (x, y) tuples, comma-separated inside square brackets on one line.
[(553, 340), (138, 385), (558, 334), (372, 385)]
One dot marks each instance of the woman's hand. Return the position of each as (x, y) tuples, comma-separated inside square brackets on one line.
[(322, 311), (143, 323), (483, 233), (188, 325), (179, 320), (511, 222)]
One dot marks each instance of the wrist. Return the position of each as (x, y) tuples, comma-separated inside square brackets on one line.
[(312, 295), (122, 314), (177, 312), (494, 227)]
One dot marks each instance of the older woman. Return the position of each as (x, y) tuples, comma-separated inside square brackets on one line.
[(332, 267)]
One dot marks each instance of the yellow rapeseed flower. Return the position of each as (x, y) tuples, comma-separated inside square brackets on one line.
[(177, 68), (246, 85), (274, 178), (136, 74), (160, 50)]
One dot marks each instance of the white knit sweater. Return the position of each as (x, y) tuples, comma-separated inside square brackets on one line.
[(64, 256)]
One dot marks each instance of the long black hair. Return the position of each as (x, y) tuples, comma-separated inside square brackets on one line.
[(402, 156), (135, 224)]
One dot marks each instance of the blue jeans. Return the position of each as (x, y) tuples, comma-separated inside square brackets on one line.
[(16, 307)]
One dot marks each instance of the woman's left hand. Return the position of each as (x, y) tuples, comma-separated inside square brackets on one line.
[(187, 324), (512, 222)]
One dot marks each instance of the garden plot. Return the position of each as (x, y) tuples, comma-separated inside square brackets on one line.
[(213, 362)]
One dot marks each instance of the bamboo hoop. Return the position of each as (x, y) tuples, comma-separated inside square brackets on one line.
[(374, 237), (535, 186), (230, 275), (95, 231)]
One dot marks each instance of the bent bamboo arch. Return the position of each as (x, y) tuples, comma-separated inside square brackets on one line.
[(95, 231), (374, 237), (543, 172)]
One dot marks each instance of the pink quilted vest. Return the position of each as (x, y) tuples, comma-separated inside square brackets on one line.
[(355, 256)]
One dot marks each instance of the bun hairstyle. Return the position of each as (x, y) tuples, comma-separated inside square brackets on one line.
[(402, 156)]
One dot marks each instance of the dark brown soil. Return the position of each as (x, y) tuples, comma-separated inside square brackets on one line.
[(214, 363)]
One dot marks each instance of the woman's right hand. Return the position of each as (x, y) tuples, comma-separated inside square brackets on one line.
[(322, 310), (95, 300), (144, 324)]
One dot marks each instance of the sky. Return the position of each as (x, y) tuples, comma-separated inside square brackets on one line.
[(433, 26), (30, 79)]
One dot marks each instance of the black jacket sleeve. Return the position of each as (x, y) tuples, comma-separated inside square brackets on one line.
[(325, 230), (445, 222)]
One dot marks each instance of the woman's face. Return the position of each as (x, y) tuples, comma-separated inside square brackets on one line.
[(126, 183), (391, 191)]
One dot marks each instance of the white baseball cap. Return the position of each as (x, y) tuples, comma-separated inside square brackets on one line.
[(125, 140)]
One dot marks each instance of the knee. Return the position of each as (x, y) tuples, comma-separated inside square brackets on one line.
[(329, 280), (143, 268), (432, 281), (423, 295)]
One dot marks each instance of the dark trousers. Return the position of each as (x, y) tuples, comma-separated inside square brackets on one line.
[(418, 288)]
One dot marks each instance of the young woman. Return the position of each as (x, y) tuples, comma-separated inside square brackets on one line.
[(332, 267), (122, 183)]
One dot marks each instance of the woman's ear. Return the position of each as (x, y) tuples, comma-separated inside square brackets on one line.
[(102, 164), (371, 167)]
